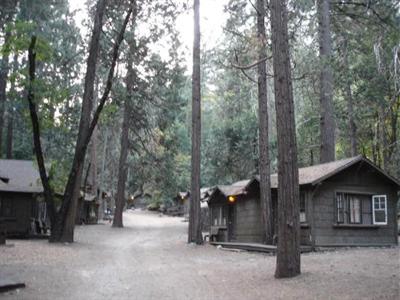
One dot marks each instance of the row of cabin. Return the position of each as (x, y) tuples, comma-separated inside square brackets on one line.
[(22, 207), (181, 205), (349, 202)]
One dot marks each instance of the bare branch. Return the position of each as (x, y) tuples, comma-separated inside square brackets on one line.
[(252, 65)]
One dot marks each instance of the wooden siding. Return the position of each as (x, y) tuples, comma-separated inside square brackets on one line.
[(23, 209), (248, 226), (357, 179)]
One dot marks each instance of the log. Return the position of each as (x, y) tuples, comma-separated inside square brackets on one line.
[(7, 285)]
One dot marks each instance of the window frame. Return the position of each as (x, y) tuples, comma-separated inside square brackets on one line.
[(303, 210), (219, 216), (339, 209), (345, 210), (379, 209)]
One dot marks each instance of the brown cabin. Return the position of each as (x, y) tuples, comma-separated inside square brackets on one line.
[(87, 211), (22, 209), (349, 202), (182, 200)]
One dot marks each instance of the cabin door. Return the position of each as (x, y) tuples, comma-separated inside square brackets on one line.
[(231, 223)]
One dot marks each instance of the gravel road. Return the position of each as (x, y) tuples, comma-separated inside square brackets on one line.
[(150, 259)]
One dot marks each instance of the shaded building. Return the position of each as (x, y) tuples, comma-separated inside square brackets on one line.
[(349, 202)]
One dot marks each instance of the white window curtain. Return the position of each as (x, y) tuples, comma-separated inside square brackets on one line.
[(355, 209)]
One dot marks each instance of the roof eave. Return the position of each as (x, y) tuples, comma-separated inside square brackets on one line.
[(358, 159)]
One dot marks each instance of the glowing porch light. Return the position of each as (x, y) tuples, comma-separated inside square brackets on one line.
[(231, 199)]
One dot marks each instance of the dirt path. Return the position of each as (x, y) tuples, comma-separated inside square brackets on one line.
[(149, 259)]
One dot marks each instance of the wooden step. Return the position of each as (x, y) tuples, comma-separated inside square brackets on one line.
[(255, 247)]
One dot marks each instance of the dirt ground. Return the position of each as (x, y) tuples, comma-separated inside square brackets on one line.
[(150, 259)]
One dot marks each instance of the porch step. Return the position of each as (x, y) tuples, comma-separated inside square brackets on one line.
[(255, 247)]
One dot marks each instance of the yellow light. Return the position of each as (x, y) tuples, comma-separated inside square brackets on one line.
[(231, 199)]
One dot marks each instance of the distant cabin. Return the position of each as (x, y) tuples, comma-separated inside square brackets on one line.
[(87, 211), (182, 201), (349, 202), (22, 210)]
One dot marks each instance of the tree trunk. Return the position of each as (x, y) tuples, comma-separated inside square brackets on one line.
[(195, 235), (92, 179), (10, 113), (288, 250), (9, 137), (122, 165), (4, 76), (122, 168), (327, 119), (47, 191), (64, 227), (264, 164), (103, 166), (350, 104), (64, 231)]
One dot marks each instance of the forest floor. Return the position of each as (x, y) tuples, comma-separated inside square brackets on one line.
[(150, 259)]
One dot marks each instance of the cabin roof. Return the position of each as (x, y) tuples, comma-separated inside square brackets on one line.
[(318, 173), (205, 192), (307, 176), (237, 188), (23, 176)]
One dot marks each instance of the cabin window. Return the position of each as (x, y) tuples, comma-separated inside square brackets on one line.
[(303, 217), (348, 208), (353, 208), (340, 207), (379, 210), (219, 216)]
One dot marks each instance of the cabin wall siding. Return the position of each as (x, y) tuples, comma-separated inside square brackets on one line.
[(23, 208), (353, 180), (248, 225)]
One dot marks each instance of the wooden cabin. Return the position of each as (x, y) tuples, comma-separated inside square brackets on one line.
[(87, 211), (235, 214), (183, 201), (349, 202), (141, 199), (22, 209)]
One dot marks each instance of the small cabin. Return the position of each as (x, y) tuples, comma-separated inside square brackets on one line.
[(22, 209), (87, 211), (235, 213), (349, 202)]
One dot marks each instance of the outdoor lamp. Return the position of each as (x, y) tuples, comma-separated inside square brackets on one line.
[(231, 199)]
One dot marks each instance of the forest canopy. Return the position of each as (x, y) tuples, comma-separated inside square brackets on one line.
[(364, 62)]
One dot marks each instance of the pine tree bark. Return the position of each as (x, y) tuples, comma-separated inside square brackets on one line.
[(102, 206), (64, 226), (195, 235), (327, 119), (93, 149), (47, 191), (64, 230), (122, 165), (122, 168), (4, 68), (264, 163), (350, 103), (10, 113), (288, 249)]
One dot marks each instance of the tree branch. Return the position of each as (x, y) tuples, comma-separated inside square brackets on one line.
[(252, 65), (110, 77), (47, 190)]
